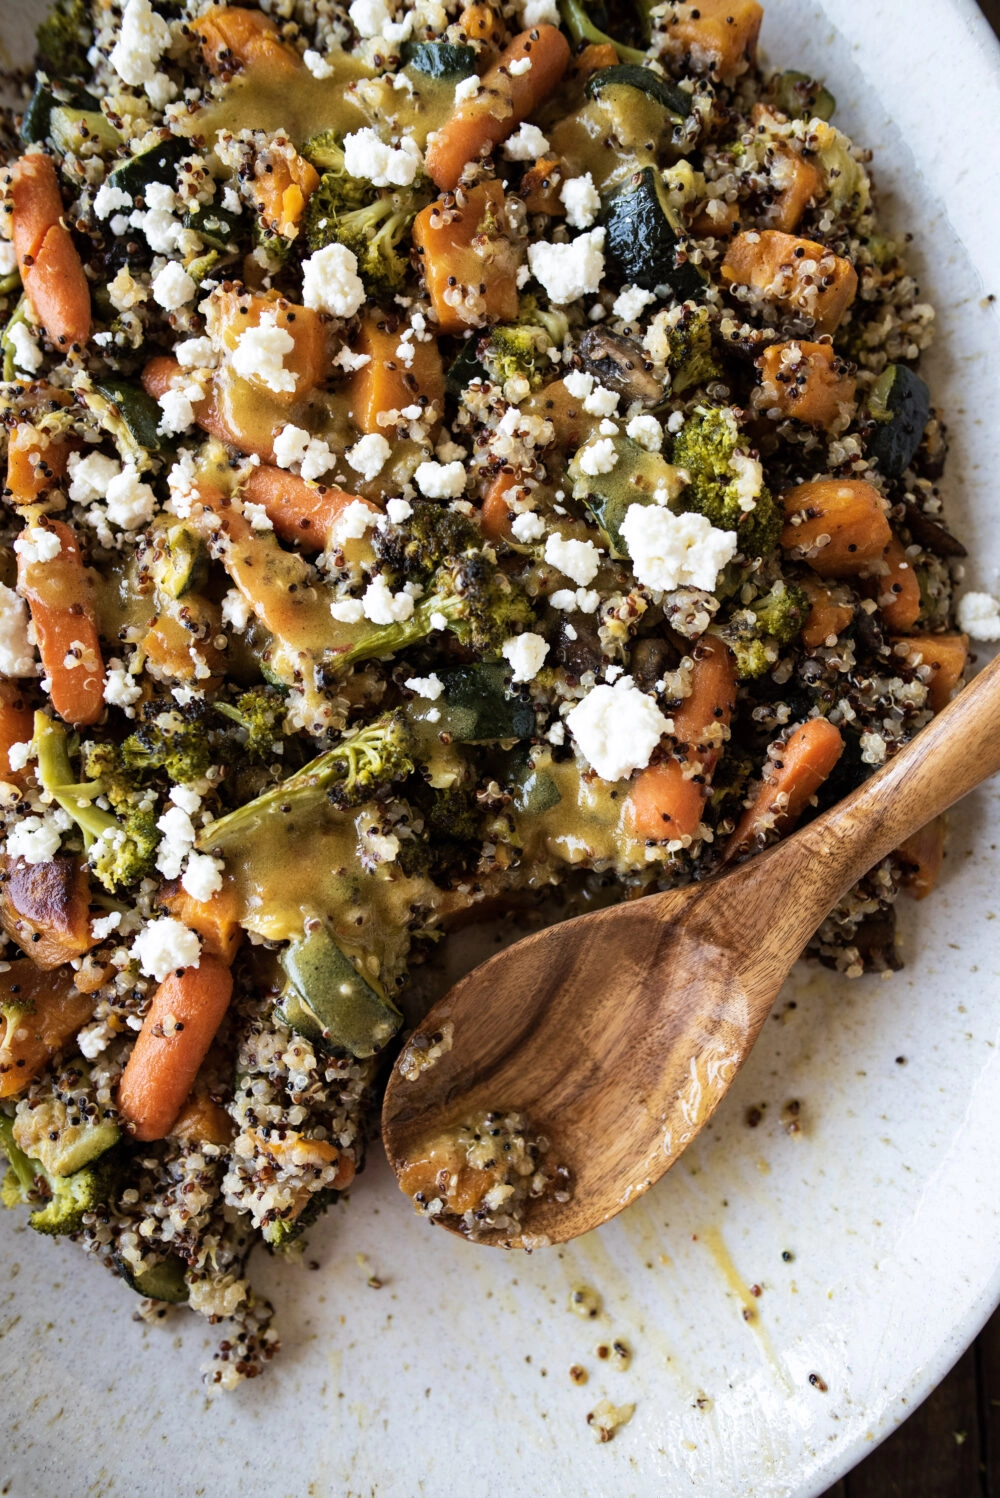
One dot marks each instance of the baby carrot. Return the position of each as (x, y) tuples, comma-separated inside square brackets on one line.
[(36, 461), (17, 725), (664, 803), (61, 601), (180, 1025), (299, 512), (898, 595), (233, 37), (505, 98), (793, 774), (50, 267), (495, 515)]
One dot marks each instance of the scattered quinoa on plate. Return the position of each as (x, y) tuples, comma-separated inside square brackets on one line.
[(454, 459)]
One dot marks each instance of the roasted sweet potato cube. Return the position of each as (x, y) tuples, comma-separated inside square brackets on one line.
[(232, 311), (805, 380), (718, 37), (939, 661), (898, 589), (828, 615), (838, 526), (385, 383), (43, 1011), (806, 275), (233, 37), (469, 261), (45, 908), (215, 919), (540, 187)]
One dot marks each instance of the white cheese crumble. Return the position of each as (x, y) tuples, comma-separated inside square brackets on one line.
[(330, 282), (90, 476), (17, 655), (369, 455), (528, 527), (669, 551), (173, 287), (646, 430), (196, 353), (569, 271), (526, 144), (164, 946), (440, 480), (131, 503), (290, 445), (36, 840), (383, 607), (601, 401), (27, 354), (430, 687), (748, 480), (577, 559), (103, 925), (121, 689), (143, 37), (260, 353), (979, 616), (616, 728), (366, 155), (526, 654), (631, 302), (353, 521), (202, 877), (317, 64), (598, 457), (468, 88), (578, 383), (398, 510), (540, 13), (348, 610), (36, 544), (176, 412), (519, 67), (581, 200), (236, 612), (369, 17)]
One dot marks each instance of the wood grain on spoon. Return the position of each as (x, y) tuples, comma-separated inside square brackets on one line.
[(618, 1034)]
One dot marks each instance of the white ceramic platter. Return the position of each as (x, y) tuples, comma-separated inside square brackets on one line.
[(454, 1375)]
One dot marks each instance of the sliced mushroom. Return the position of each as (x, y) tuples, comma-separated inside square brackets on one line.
[(620, 364)]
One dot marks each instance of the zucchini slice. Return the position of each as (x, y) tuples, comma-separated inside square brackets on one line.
[(163, 1281), (900, 404), (643, 240), (625, 75), (137, 410), (158, 164), (800, 97), (220, 231), (440, 59), (37, 116), (183, 562), (328, 1000), (476, 707)]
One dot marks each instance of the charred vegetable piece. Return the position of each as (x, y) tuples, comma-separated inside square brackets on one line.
[(475, 706), (439, 59), (326, 997), (900, 405), (643, 244), (158, 164), (219, 230), (163, 1281), (139, 412), (663, 91)]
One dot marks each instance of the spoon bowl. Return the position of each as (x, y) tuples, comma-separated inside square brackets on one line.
[(617, 1034)]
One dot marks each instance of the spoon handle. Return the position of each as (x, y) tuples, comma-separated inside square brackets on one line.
[(951, 756)]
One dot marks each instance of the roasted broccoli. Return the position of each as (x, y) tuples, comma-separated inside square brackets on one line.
[(59, 1201), (338, 192), (708, 447), (169, 739), (121, 849), (373, 233), (64, 38), (519, 349), (417, 547), (260, 713), (692, 359), (469, 596), (358, 769), (757, 633)]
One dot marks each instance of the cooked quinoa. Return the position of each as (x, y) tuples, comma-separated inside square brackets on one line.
[(454, 466)]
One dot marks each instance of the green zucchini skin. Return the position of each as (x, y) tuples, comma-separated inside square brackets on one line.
[(328, 1000), (158, 164), (38, 114), (220, 231), (627, 75), (440, 59), (900, 403), (164, 1281), (476, 708), (138, 411), (641, 240), (800, 96)]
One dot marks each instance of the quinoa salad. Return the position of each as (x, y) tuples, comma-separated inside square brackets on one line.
[(458, 463)]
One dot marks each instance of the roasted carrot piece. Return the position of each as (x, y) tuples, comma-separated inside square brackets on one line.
[(940, 661), (385, 384), (17, 725), (898, 594), (50, 267), (45, 909), (202, 1121), (595, 55), (837, 525), (181, 639), (664, 803), (804, 380), (469, 260), (505, 98), (792, 775), (300, 512), (36, 460), (806, 275), (60, 597), (180, 1025), (216, 920), (827, 614), (217, 414), (540, 187), (233, 38), (714, 36), (495, 515), (30, 1036), (920, 859)]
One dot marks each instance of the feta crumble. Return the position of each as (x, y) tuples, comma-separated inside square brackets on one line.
[(383, 607), (979, 616), (317, 64), (526, 144), (581, 200), (121, 689), (131, 503), (173, 287), (577, 559), (90, 476), (236, 612), (398, 510), (646, 430), (601, 401), (440, 480), (17, 654), (631, 301), (367, 155), (569, 271), (143, 37), (669, 550), (36, 840), (260, 352), (526, 654), (36, 544), (597, 457), (202, 877), (528, 527), (430, 687), (369, 456), (616, 728), (330, 282), (164, 946), (27, 354)]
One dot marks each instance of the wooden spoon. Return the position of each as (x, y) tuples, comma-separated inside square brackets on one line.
[(618, 1034)]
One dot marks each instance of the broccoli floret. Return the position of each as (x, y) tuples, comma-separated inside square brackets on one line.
[(582, 29), (64, 37), (261, 713), (121, 848), (358, 769), (338, 193), (417, 547), (469, 596), (60, 1201), (169, 740), (756, 634), (372, 233), (518, 350), (692, 359), (706, 446)]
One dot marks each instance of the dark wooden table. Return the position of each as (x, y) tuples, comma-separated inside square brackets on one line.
[(950, 1446)]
